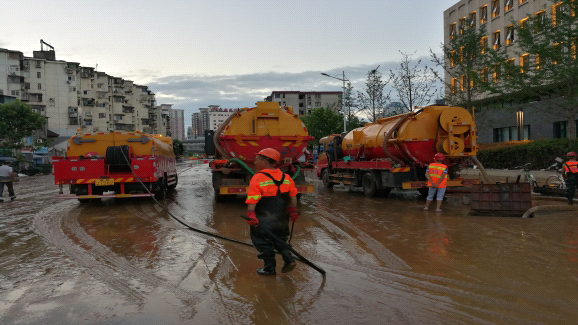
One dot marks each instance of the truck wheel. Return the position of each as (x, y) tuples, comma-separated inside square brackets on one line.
[(369, 185), (161, 189), (423, 191), (325, 179)]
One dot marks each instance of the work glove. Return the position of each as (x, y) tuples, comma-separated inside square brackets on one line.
[(253, 221), (293, 213)]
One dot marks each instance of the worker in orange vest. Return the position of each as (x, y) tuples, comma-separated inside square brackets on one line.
[(437, 177), (571, 175), (271, 203)]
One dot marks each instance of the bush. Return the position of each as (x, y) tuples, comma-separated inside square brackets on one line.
[(541, 153)]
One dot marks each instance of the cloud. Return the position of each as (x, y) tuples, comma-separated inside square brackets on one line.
[(190, 92)]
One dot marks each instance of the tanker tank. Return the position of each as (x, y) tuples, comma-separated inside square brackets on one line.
[(267, 125), (415, 137)]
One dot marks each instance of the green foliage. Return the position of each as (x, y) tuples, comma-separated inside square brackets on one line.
[(322, 122), (462, 60), (552, 39), (18, 121), (178, 148), (541, 153), (372, 101)]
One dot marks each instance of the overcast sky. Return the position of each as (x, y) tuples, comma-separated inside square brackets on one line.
[(194, 53)]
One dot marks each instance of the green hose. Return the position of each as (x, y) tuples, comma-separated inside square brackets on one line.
[(242, 163)]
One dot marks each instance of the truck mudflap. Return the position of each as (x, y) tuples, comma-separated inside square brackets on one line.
[(451, 183), (240, 189)]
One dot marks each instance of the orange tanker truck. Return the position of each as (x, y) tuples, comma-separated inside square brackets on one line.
[(114, 164), (394, 152), (237, 141)]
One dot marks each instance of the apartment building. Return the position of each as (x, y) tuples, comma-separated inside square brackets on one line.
[(177, 123), (200, 122), (71, 96), (218, 115), (515, 121), (304, 102)]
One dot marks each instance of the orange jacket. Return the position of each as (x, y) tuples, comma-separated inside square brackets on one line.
[(573, 167), (261, 185), (437, 171)]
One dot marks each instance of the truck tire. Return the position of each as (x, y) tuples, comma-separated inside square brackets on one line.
[(161, 189), (217, 179), (369, 185), (325, 179), (423, 191)]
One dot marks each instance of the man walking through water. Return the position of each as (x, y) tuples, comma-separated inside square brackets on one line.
[(437, 177), (271, 203), (7, 176)]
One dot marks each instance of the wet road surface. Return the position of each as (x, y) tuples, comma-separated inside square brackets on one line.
[(387, 261)]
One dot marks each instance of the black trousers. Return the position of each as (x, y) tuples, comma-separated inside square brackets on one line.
[(571, 183), (9, 185)]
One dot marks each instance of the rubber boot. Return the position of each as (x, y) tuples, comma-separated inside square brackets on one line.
[(289, 262), (269, 268)]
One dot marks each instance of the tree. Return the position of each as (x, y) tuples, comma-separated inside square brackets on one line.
[(414, 86), (178, 148), (372, 101), (349, 102), (546, 48), (18, 121), (465, 64), (322, 122)]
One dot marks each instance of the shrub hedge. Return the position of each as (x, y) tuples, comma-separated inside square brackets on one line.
[(541, 153)]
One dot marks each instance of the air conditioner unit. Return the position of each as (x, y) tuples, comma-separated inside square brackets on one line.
[(39, 140)]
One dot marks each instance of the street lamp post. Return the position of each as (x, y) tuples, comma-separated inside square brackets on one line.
[(342, 97)]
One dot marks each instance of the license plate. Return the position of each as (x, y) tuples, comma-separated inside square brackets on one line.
[(104, 182)]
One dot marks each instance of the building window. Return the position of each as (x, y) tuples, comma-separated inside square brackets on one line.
[(509, 5), (510, 35), (558, 9), (15, 92), (495, 8), (462, 25), (556, 52), (510, 134), (472, 19), (463, 82), (453, 85), (522, 22), (462, 49), (521, 2), (101, 115), (483, 14), (539, 19), (524, 62), (71, 78), (483, 44), (452, 31), (496, 73), (484, 75), (88, 122), (277, 95), (71, 89), (39, 86), (38, 64), (452, 58), (510, 63), (537, 61), (496, 40), (38, 74)]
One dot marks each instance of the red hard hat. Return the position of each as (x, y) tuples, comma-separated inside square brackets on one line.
[(270, 153), (439, 156), (572, 154)]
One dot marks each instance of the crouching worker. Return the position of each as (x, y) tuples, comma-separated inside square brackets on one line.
[(271, 203), (437, 176)]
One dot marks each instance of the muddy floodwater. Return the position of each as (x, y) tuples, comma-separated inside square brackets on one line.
[(387, 261)]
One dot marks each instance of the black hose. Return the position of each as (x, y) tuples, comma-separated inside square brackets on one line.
[(287, 246), (177, 219)]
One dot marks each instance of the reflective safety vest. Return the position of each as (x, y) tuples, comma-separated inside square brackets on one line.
[(263, 186), (437, 171), (573, 167)]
